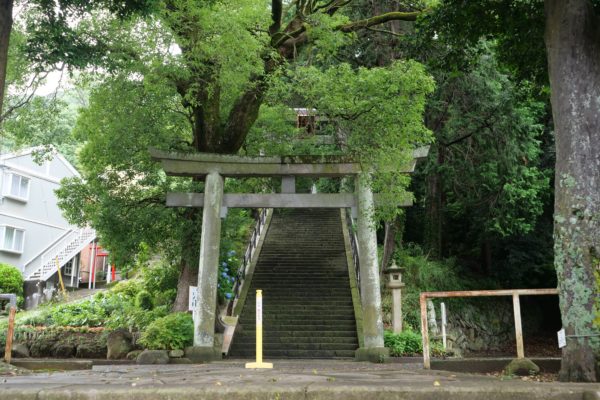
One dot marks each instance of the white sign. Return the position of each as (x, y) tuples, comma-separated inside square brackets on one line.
[(258, 310), (562, 338), (444, 320), (193, 301)]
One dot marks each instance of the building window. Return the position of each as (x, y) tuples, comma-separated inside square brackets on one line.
[(17, 187), (12, 239), (69, 268)]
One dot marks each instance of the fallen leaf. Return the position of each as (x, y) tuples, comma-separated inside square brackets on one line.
[(436, 383)]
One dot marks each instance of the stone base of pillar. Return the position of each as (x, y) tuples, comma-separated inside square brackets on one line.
[(200, 355), (372, 354)]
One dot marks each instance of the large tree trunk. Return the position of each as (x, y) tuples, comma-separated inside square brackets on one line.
[(6, 21), (573, 44), (187, 277), (190, 251), (434, 212)]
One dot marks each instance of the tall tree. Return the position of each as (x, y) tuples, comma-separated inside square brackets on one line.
[(220, 83), (6, 22), (573, 43)]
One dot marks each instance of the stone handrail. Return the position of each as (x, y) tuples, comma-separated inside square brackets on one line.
[(354, 245), (257, 232)]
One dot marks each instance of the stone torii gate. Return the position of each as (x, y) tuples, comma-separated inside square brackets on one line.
[(216, 167)]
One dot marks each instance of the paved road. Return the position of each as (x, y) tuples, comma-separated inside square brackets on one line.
[(318, 379)]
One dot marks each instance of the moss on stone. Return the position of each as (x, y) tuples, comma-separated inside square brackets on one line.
[(521, 367)]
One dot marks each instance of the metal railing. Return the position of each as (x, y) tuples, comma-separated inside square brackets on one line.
[(353, 245), (65, 249), (514, 293), (257, 232)]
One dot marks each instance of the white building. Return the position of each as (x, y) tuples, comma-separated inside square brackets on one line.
[(34, 235)]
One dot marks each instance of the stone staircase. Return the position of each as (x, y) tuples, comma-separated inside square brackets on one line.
[(307, 302)]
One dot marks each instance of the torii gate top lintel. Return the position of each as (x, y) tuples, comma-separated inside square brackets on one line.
[(200, 164)]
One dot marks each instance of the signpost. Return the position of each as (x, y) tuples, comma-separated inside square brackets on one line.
[(259, 342)]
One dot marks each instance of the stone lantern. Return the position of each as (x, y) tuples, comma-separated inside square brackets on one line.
[(395, 284)]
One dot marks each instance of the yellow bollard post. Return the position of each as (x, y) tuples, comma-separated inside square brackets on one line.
[(60, 279), (259, 339)]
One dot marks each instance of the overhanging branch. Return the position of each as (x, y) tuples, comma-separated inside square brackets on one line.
[(380, 19)]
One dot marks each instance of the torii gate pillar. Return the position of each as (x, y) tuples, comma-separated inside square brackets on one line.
[(205, 311), (373, 349)]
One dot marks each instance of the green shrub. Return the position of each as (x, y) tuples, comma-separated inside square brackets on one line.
[(422, 274), (11, 280), (175, 331), (41, 316), (166, 298), (143, 300), (129, 288), (84, 313), (133, 318), (406, 343), (160, 277)]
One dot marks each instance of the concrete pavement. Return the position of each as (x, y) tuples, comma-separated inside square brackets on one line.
[(306, 379)]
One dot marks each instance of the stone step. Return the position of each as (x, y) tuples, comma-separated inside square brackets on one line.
[(291, 285), (301, 259), (271, 295), (324, 274), (273, 317), (268, 346), (300, 278), (250, 339), (345, 333), (304, 261), (288, 319), (306, 326), (337, 321), (304, 314), (305, 309), (307, 300), (276, 293), (275, 354), (284, 310), (288, 272), (330, 301), (294, 283), (296, 293), (292, 271)]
